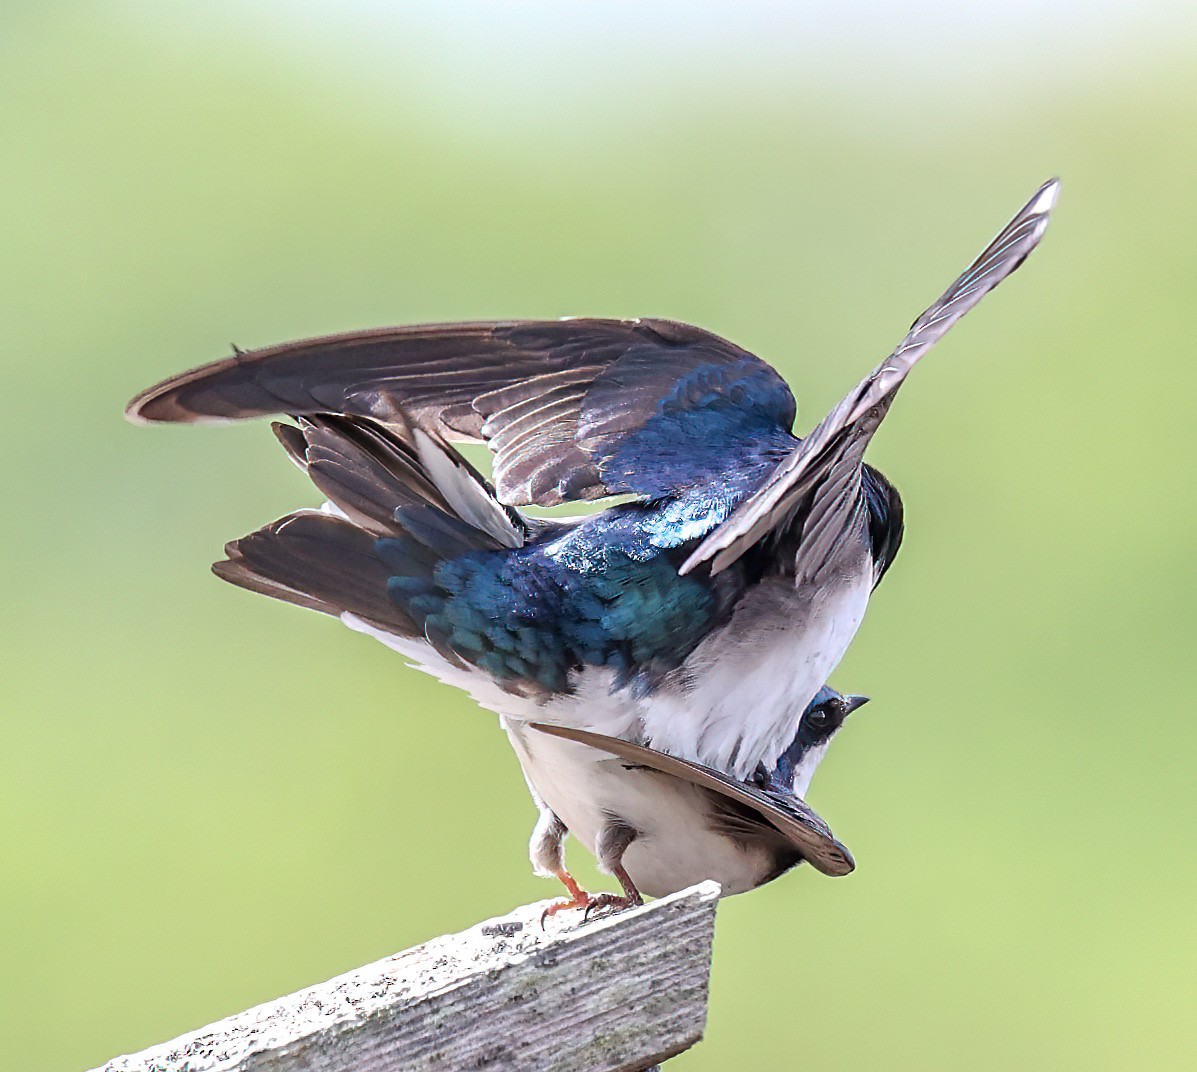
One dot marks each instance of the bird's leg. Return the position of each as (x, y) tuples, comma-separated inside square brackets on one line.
[(546, 849), (578, 897), (613, 842)]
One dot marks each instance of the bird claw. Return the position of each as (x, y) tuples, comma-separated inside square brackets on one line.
[(581, 899), (609, 904)]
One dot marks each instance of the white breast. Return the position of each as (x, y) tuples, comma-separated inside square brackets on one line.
[(737, 699), (675, 846)]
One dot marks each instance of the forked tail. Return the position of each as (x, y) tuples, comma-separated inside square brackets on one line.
[(400, 502)]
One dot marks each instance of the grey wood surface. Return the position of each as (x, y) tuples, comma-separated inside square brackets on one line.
[(620, 993)]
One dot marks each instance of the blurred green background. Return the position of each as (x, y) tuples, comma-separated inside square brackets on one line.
[(210, 799)]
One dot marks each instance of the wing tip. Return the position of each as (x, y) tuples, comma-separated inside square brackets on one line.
[(840, 862), (141, 407), (163, 402), (160, 405), (1045, 197)]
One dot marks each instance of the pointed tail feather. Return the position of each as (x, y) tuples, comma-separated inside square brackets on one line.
[(370, 472), (404, 502), (318, 561)]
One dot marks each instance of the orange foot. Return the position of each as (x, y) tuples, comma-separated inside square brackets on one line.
[(578, 898)]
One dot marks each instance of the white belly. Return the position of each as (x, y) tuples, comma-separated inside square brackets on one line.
[(737, 699), (675, 845)]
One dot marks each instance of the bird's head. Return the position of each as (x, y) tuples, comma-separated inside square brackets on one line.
[(819, 723)]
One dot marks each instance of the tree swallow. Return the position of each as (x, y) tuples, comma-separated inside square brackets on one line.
[(692, 822), (697, 619)]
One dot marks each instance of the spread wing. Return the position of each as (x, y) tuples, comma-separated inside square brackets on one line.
[(826, 465), (573, 409), (790, 816)]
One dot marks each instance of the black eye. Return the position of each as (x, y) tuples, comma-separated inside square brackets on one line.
[(818, 720)]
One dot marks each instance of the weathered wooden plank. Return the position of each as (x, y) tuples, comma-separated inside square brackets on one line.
[(613, 995)]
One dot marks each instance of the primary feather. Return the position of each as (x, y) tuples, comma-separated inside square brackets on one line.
[(826, 465), (573, 409)]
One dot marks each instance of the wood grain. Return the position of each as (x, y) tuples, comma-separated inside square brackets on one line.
[(614, 995)]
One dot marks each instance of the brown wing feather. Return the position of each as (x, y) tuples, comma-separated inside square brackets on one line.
[(365, 469), (840, 439), (524, 386)]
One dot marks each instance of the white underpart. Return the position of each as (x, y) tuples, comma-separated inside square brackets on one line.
[(805, 771), (736, 700), (581, 786), (745, 686), (590, 706), (675, 846)]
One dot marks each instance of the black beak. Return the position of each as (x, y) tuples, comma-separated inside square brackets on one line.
[(851, 703)]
